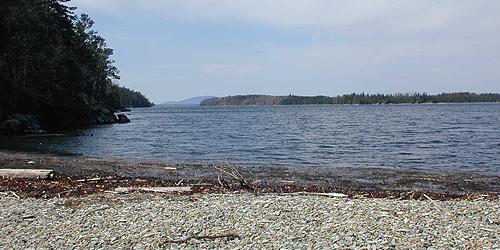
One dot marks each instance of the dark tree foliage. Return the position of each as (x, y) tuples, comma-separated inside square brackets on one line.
[(121, 97), (53, 65), (352, 99), (242, 100), (392, 98)]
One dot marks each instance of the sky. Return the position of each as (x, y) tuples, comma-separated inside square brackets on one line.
[(175, 49)]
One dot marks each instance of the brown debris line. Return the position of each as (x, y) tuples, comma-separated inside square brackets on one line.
[(70, 186), (246, 176)]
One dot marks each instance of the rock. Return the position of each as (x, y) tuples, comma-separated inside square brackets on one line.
[(21, 123), (106, 118), (125, 110), (11, 126), (101, 115), (106, 111), (122, 118)]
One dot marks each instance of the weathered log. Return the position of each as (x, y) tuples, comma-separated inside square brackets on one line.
[(331, 195), (27, 173), (165, 189)]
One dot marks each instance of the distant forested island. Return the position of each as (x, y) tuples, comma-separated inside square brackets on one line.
[(56, 69), (413, 98)]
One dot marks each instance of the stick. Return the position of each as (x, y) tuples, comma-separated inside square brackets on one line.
[(88, 180), (426, 196), (15, 195), (234, 174), (331, 195), (165, 189), (203, 237)]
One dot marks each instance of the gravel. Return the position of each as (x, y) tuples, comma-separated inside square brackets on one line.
[(245, 221)]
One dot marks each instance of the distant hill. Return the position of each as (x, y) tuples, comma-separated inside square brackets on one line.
[(190, 101), (242, 100)]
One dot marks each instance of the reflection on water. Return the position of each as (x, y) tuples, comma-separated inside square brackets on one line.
[(462, 137)]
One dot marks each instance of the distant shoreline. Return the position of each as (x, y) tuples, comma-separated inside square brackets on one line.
[(383, 104), (353, 99)]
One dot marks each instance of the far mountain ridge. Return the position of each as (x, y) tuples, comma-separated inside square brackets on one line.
[(189, 101)]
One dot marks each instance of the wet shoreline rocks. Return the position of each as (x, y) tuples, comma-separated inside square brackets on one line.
[(21, 124), (122, 118), (396, 183), (102, 115), (30, 124)]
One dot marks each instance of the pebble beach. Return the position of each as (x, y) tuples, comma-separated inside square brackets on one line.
[(245, 221)]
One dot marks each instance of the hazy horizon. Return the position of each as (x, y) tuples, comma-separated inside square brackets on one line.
[(173, 50)]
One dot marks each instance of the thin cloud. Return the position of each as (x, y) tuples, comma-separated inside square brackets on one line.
[(356, 16), (336, 47), (228, 69)]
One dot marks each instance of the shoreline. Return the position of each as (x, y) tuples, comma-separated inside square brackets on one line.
[(76, 171), (89, 206), (339, 104)]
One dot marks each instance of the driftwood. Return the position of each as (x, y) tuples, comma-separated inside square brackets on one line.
[(153, 189), (88, 180), (27, 173), (165, 189), (331, 195), (234, 174)]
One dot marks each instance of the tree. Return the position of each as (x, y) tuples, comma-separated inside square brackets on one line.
[(52, 63)]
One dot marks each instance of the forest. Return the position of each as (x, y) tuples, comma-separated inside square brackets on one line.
[(55, 66), (410, 98)]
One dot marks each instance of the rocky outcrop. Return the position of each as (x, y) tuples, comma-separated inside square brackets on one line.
[(102, 115), (21, 124), (30, 124), (122, 118)]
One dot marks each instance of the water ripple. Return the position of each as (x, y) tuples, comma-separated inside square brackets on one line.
[(462, 137)]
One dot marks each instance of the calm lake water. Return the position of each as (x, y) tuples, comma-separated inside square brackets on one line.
[(443, 137)]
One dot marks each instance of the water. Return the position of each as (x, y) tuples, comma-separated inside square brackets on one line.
[(443, 137)]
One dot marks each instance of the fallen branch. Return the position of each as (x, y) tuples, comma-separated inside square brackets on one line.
[(331, 195), (15, 195), (234, 174), (229, 236), (165, 189), (29, 216), (98, 209), (426, 196), (89, 180)]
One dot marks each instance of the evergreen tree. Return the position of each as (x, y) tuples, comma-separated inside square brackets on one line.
[(54, 65)]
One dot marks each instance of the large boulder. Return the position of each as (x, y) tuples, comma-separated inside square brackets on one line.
[(106, 118), (101, 115), (122, 118), (21, 124)]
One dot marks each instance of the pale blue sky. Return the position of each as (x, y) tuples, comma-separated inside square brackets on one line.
[(174, 49)]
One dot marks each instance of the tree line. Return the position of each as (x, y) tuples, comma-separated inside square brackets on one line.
[(411, 98), (55, 66)]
